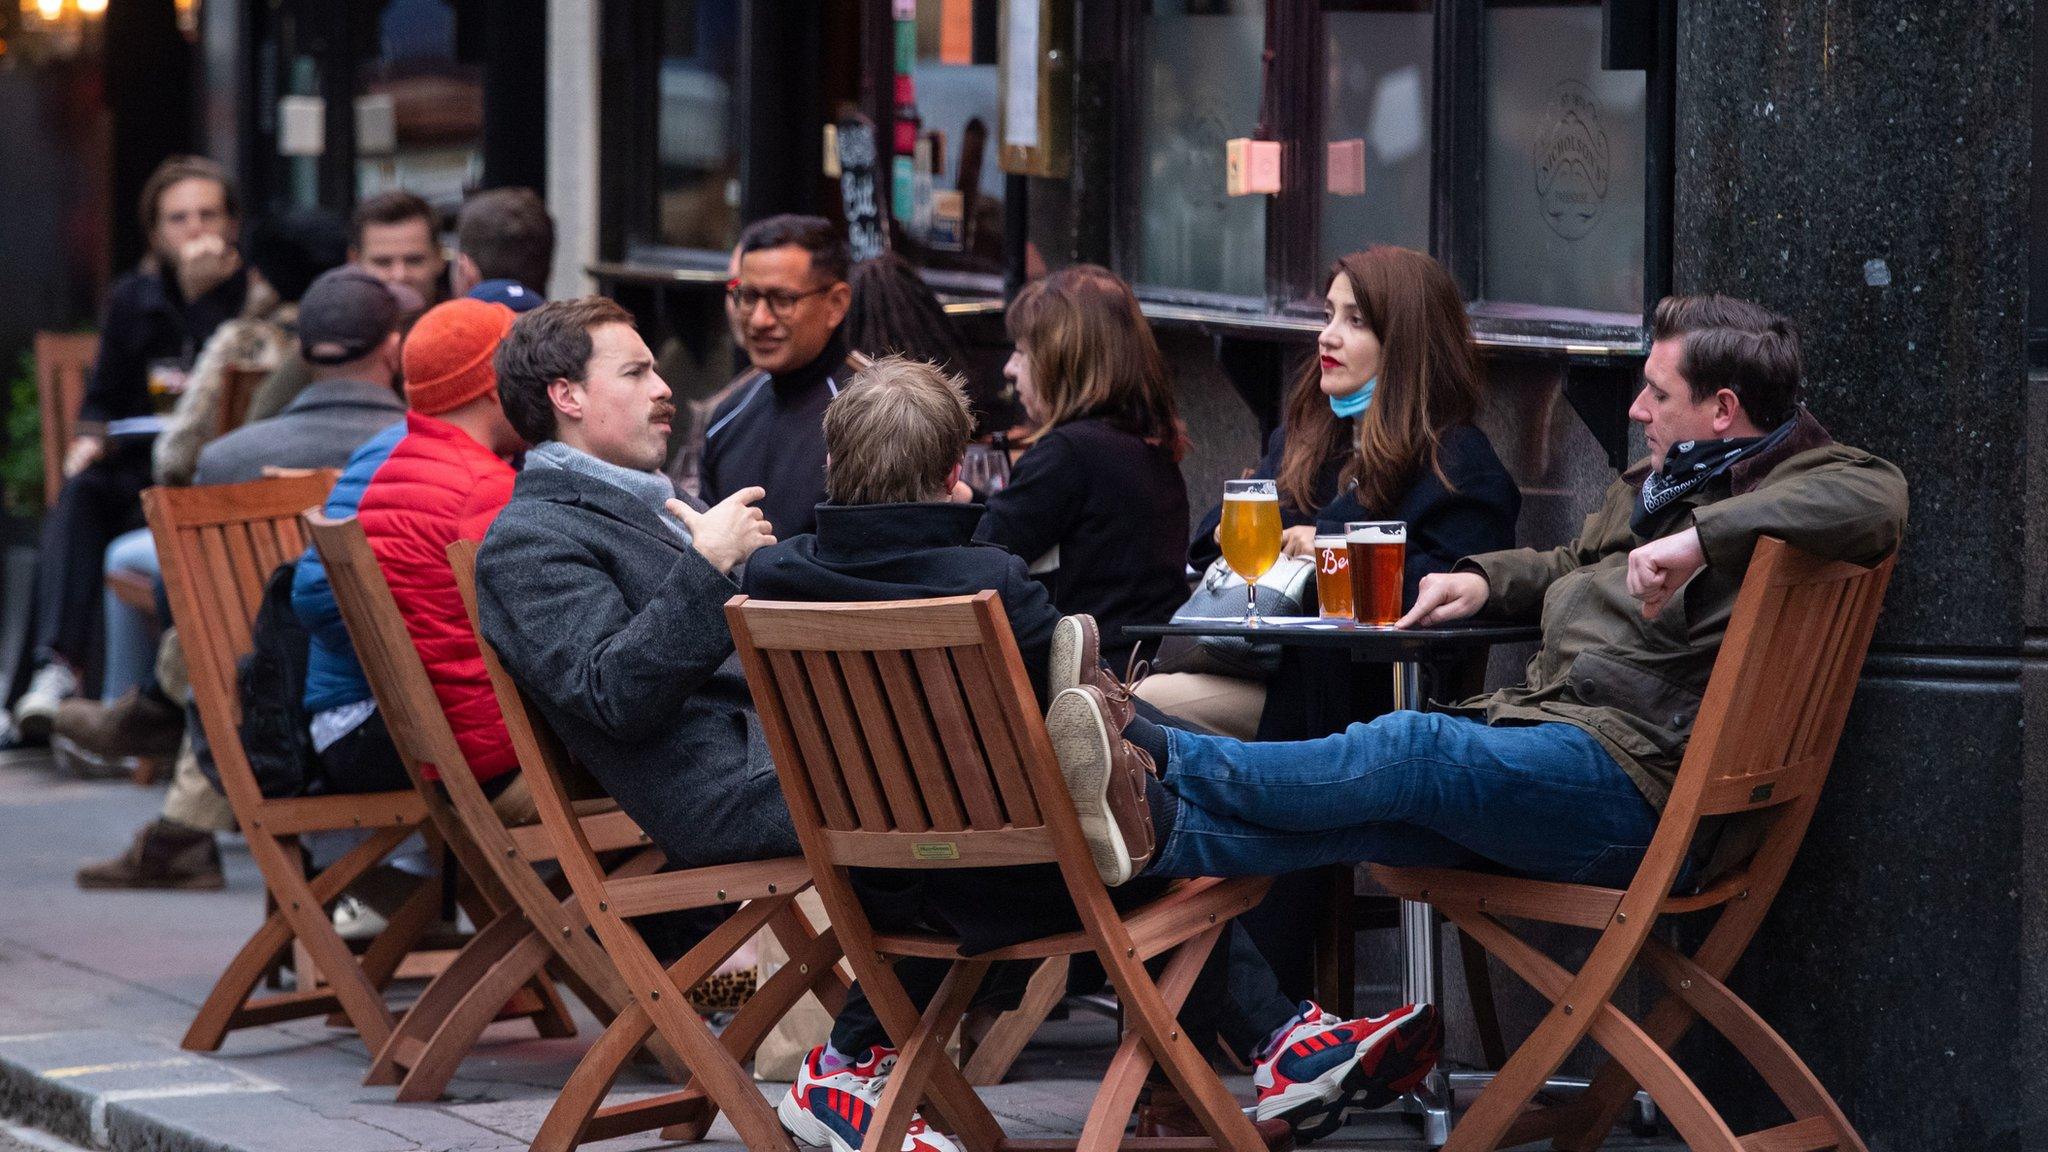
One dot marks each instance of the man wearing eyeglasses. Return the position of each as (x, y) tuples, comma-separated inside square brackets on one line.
[(787, 302)]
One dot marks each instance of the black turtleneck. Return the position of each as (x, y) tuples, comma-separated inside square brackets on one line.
[(771, 432)]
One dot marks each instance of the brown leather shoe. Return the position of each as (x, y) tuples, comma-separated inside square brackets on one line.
[(166, 854), (1106, 775), (135, 725), (1077, 661), (1162, 1112)]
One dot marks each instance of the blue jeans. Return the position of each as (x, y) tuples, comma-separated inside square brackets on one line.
[(131, 636), (1410, 788)]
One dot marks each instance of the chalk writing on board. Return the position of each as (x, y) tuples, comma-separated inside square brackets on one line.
[(866, 234)]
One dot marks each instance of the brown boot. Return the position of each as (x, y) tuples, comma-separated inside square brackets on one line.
[(166, 854), (1162, 1112), (138, 724), (1077, 660), (1106, 774)]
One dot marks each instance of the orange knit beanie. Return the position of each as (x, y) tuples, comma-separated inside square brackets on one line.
[(448, 354)]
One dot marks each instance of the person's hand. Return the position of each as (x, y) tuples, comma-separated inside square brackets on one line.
[(203, 263), (1444, 597), (962, 494), (729, 531), (1657, 570), (1299, 540), (83, 453)]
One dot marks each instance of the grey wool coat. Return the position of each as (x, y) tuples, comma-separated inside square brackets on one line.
[(320, 429), (616, 630)]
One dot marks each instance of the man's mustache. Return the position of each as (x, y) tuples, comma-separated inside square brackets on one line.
[(664, 413)]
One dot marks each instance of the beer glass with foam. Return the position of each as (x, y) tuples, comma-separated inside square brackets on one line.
[(1379, 558), (1250, 535)]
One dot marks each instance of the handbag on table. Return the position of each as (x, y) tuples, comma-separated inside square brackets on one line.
[(1282, 591)]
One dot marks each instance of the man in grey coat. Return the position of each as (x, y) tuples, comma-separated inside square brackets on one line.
[(349, 332)]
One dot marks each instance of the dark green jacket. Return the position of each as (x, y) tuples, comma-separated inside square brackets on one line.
[(1635, 684)]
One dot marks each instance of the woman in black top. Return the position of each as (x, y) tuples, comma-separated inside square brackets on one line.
[(1096, 505), (1379, 427)]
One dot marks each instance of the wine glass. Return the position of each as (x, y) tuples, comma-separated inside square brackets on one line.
[(1251, 536)]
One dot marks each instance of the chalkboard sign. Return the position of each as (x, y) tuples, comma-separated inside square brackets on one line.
[(866, 233)]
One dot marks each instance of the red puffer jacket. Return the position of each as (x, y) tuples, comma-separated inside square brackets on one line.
[(438, 486)]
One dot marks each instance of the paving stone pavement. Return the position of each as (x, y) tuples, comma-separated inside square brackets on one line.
[(96, 988)]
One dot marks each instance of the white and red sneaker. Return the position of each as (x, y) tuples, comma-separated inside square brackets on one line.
[(1322, 1066), (833, 1109)]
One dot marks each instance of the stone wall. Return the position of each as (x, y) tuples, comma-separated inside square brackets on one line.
[(1863, 169)]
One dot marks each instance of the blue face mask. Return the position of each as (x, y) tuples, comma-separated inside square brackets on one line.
[(1348, 407)]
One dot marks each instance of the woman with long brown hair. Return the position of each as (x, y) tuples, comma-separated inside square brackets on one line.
[(1096, 505), (1379, 426)]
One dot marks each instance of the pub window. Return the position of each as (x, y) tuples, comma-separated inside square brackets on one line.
[(955, 199), (1565, 183), (1379, 108), (1199, 78), (696, 160)]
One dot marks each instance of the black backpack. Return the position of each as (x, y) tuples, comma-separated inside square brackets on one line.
[(271, 681)]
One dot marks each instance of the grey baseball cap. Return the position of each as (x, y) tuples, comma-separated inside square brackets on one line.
[(347, 312)]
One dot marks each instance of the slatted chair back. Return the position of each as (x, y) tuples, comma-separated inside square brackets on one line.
[(1775, 705), (443, 1026), (1762, 744), (766, 891), (907, 734), (63, 360), (218, 545), (910, 737)]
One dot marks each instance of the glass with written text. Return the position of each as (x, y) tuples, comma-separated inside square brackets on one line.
[(1333, 575)]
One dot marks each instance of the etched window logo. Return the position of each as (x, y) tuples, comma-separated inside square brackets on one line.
[(1571, 161)]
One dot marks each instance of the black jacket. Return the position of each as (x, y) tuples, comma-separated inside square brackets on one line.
[(1203, 550), (1318, 692), (616, 628), (148, 320), (1117, 510), (771, 431), (907, 552)]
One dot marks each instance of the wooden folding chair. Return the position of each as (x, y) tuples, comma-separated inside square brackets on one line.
[(1760, 751), (508, 952), (907, 735), (218, 544), (63, 359), (766, 891)]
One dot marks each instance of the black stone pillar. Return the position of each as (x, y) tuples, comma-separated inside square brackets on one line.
[(1863, 169)]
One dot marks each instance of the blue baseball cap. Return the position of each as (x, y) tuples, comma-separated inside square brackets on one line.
[(511, 293)]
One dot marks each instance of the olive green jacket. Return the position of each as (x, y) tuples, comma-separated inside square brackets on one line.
[(1635, 684)]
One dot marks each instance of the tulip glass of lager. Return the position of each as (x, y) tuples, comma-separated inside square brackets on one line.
[(1250, 535), (1333, 576), (1379, 557)]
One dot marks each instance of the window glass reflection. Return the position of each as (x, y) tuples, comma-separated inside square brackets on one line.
[(956, 218), (696, 164), (1379, 63), (1201, 68), (1564, 163)]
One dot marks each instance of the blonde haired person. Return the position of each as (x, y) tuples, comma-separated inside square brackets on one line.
[(1096, 505)]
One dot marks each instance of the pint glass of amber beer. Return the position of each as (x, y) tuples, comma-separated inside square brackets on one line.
[(1379, 556), (1333, 575), (1250, 535)]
